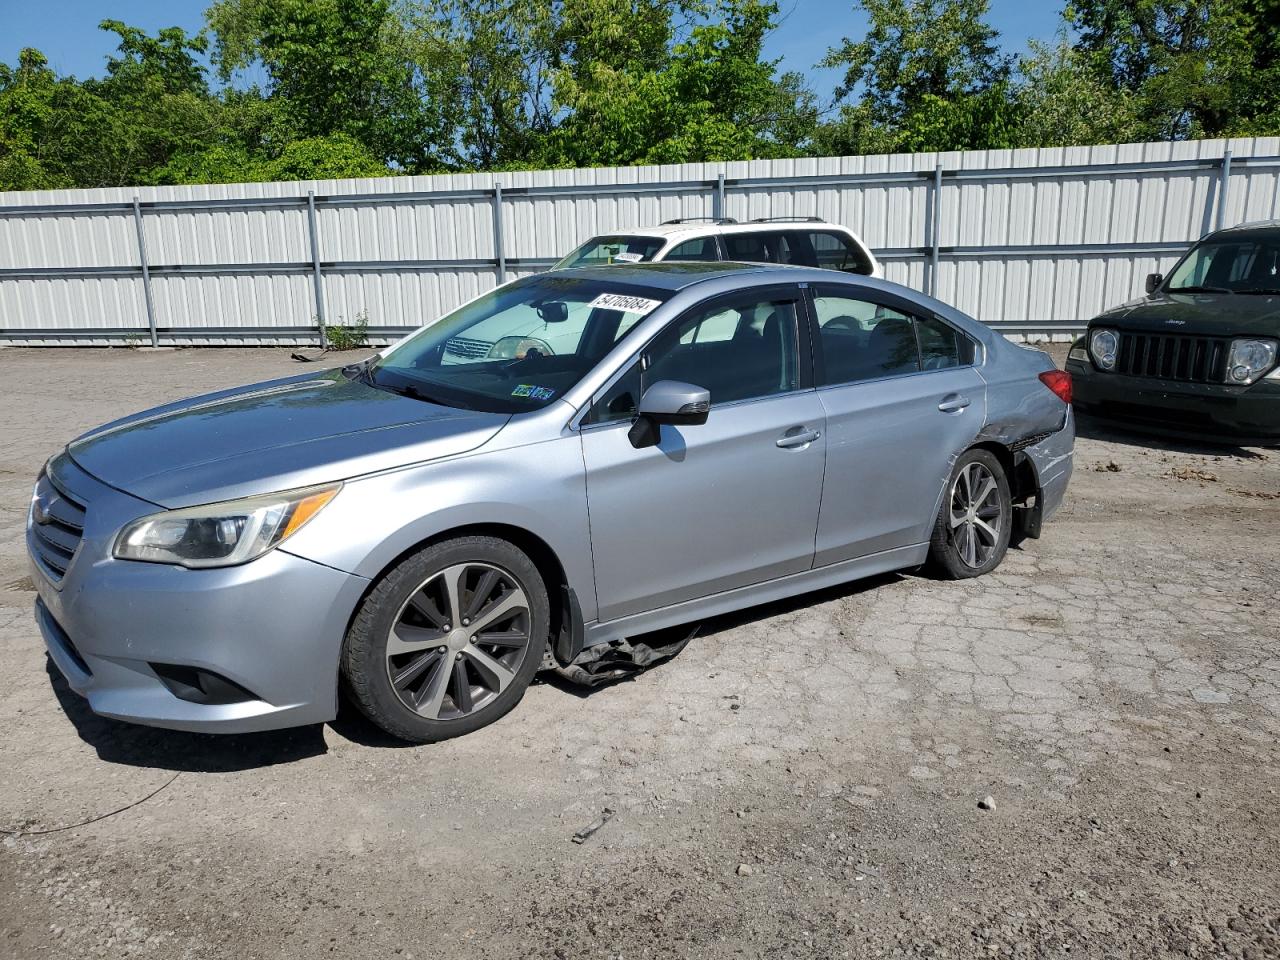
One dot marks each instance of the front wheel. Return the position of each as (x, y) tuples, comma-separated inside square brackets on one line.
[(971, 535), (448, 640)]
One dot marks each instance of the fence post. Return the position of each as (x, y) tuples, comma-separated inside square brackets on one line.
[(499, 251), (717, 199), (146, 273), (315, 267), (1224, 183), (935, 229)]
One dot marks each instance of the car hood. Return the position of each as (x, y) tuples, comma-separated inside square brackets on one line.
[(274, 436), (1202, 314)]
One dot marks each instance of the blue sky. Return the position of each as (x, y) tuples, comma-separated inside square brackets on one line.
[(67, 30)]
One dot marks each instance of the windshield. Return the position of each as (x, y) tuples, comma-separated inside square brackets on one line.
[(1238, 265), (516, 348), (600, 251)]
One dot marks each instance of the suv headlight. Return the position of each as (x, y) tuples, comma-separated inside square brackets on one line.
[(222, 534), (1250, 359), (1104, 345)]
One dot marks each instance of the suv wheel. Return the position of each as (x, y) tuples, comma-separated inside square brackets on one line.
[(971, 535), (449, 640)]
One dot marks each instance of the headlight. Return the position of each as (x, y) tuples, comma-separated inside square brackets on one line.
[(1249, 359), (222, 534), (1105, 347), (1079, 351)]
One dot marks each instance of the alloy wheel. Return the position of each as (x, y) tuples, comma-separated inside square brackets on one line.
[(458, 641), (976, 515)]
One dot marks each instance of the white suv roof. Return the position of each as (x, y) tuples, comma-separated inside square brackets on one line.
[(843, 251)]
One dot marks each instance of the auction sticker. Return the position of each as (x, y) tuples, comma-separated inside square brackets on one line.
[(618, 301)]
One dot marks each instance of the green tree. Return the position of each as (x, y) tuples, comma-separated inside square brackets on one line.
[(929, 76), (1063, 101), (635, 90), (1197, 68), (487, 63), (336, 67)]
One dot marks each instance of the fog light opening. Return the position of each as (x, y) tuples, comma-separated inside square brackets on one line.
[(200, 686)]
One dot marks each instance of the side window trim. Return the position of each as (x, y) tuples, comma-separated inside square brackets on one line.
[(781, 293)]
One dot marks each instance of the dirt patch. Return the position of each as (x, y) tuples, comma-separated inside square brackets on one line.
[(1113, 687)]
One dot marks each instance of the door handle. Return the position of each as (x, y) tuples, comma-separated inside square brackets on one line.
[(953, 403), (802, 439)]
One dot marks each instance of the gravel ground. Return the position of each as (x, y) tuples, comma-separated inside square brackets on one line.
[(804, 780)]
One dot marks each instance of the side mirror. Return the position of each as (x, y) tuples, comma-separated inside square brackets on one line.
[(670, 402), (1153, 281)]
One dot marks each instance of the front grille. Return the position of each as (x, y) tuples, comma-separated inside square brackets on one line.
[(1170, 357), (471, 349), (57, 523)]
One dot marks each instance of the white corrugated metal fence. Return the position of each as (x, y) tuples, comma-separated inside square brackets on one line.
[(1035, 241)]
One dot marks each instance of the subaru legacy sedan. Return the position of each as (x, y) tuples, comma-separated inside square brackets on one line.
[(428, 528)]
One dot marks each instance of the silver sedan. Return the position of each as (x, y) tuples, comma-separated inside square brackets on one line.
[(555, 469)]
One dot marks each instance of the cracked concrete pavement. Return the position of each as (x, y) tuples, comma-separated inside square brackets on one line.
[(1114, 687)]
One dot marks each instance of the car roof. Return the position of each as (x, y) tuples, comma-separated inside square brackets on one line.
[(1265, 228), (666, 275), (697, 228)]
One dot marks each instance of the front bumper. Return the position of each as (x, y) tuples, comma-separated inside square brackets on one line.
[(1212, 411), (273, 627)]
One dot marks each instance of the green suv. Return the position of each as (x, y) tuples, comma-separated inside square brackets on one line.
[(1198, 355)]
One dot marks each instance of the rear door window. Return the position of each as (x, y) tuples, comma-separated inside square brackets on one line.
[(701, 248), (766, 246), (865, 340)]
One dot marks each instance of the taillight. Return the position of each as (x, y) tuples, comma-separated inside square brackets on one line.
[(1059, 381)]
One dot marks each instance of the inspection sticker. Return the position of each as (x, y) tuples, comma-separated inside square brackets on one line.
[(617, 301), (533, 392)]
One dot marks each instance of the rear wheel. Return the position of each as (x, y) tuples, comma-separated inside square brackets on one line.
[(449, 640), (971, 535)]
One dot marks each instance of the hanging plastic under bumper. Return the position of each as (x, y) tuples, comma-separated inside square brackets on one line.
[(619, 659)]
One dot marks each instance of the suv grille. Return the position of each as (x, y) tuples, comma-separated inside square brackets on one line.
[(57, 525), (1169, 357), (471, 349)]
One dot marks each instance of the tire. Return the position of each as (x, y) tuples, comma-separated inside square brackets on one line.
[(952, 553), (423, 683)]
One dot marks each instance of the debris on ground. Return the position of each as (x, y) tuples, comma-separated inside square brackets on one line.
[(1257, 494), (987, 803), (1109, 467), (1192, 473), (744, 870), (605, 816)]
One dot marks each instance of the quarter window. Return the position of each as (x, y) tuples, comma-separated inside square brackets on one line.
[(834, 251), (738, 350)]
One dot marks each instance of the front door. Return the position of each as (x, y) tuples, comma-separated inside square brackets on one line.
[(721, 505), (902, 400)]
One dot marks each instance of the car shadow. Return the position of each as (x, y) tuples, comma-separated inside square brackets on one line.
[(727, 621), (1094, 429), (133, 745)]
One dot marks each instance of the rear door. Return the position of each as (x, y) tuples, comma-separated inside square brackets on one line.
[(720, 505), (902, 399)]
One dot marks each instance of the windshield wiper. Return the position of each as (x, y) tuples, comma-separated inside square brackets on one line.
[(1197, 289), (1260, 290)]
